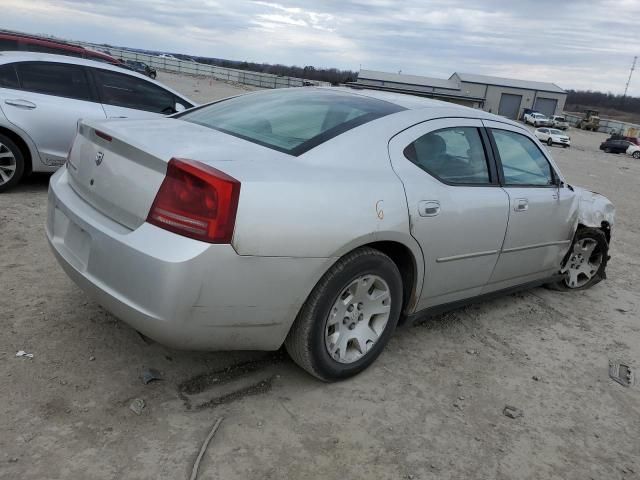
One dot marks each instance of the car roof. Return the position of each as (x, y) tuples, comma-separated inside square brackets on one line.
[(413, 102), (14, 57)]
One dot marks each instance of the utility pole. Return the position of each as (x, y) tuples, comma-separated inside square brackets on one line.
[(633, 67)]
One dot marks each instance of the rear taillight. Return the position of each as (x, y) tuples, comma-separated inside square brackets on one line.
[(197, 201)]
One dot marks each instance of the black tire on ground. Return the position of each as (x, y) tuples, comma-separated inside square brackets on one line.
[(565, 146), (305, 342), (602, 247), (550, 142), (607, 150), (153, 75), (636, 155), (20, 163)]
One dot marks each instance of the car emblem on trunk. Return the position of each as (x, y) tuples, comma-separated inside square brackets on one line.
[(99, 157)]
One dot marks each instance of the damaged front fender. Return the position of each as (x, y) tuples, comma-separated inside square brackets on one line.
[(594, 209)]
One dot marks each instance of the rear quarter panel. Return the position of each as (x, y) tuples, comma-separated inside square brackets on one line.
[(324, 203)]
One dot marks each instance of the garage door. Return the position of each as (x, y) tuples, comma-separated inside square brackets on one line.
[(547, 106), (509, 105)]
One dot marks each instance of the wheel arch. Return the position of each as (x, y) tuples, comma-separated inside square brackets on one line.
[(405, 252), (22, 145)]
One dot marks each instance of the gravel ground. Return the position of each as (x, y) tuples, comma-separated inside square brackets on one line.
[(202, 89), (430, 408)]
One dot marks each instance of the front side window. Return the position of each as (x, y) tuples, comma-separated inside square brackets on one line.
[(290, 121), (8, 77), (59, 79), (522, 161), (452, 155), (131, 92)]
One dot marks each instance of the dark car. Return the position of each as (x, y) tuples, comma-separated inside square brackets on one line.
[(140, 67), (616, 136), (614, 145), (26, 43)]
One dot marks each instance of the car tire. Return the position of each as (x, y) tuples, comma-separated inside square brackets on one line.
[(550, 142), (607, 150), (601, 250), (636, 155), (309, 340), (153, 75), (11, 167)]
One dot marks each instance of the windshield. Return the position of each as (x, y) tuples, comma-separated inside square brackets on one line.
[(555, 132), (292, 121), (560, 119), (538, 115)]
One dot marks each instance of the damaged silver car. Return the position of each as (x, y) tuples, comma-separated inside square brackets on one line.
[(315, 218)]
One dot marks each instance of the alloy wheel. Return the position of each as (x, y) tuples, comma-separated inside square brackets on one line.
[(583, 263), (358, 318), (8, 164)]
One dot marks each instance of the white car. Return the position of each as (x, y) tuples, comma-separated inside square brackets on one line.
[(559, 122), (315, 218), (537, 119), (552, 136), (42, 97), (634, 151)]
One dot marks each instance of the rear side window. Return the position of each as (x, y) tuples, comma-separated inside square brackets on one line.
[(452, 155), (290, 121), (132, 92), (59, 79), (6, 44), (8, 77), (522, 161)]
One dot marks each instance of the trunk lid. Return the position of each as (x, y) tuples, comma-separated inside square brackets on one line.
[(118, 166)]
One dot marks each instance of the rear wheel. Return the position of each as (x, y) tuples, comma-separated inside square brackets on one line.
[(349, 316), (607, 150), (550, 142), (636, 155), (11, 164), (586, 262)]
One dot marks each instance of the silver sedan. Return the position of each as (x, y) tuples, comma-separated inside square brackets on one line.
[(317, 218)]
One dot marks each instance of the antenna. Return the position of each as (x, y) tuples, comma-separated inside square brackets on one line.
[(633, 67)]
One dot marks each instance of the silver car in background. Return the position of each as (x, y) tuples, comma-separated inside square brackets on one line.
[(317, 218), (43, 96)]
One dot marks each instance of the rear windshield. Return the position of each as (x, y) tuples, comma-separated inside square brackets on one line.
[(292, 121)]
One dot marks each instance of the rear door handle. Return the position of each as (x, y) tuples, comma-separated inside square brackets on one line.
[(522, 205), (429, 208), (21, 103)]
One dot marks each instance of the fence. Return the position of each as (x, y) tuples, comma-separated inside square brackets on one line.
[(168, 64), (608, 125)]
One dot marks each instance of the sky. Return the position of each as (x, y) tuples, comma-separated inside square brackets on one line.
[(575, 44)]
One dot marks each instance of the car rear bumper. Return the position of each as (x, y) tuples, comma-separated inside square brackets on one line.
[(181, 292)]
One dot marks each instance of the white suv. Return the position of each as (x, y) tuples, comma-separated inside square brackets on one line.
[(43, 96), (537, 119)]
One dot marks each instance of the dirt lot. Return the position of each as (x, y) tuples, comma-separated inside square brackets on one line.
[(430, 408)]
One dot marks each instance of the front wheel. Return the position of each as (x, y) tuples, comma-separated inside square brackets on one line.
[(607, 150), (550, 142), (586, 261), (349, 316), (636, 155)]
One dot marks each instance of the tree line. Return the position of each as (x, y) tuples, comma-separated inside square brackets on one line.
[(331, 75), (600, 100)]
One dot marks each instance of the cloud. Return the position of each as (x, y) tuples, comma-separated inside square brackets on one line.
[(572, 43)]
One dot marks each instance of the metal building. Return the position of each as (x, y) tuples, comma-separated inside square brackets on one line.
[(504, 96), (509, 97), (442, 89)]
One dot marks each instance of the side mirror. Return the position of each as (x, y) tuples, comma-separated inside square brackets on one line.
[(179, 107)]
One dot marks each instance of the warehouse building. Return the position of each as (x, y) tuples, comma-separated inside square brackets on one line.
[(504, 96)]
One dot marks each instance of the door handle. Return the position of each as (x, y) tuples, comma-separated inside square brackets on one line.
[(117, 117), (522, 205), (21, 103), (429, 208)]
